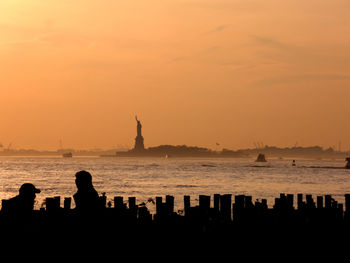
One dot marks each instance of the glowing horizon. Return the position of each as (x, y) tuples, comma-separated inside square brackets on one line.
[(196, 72)]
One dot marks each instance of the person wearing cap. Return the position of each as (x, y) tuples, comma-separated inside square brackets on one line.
[(23, 203), (86, 198)]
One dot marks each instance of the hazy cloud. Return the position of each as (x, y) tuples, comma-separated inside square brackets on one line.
[(270, 42), (178, 59), (301, 78), (218, 29), (231, 6), (195, 55), (309, 57)]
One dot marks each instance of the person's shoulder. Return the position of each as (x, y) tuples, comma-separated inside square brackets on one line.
[(14, 199), (11, 204), (93, 191)]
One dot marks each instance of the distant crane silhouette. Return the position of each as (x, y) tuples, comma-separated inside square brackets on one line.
[(8, 148), (259, 145), (60, 144)]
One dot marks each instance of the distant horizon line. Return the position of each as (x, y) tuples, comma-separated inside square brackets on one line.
[(97, 149)]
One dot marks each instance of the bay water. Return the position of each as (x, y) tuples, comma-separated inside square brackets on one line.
[(146, 178)]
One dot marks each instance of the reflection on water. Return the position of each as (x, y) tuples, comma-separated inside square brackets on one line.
[(147, 178)]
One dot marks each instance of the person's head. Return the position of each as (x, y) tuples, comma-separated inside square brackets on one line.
[(83, 179), (28, 190)]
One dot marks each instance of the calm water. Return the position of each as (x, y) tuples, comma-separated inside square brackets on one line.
[(147, 178)]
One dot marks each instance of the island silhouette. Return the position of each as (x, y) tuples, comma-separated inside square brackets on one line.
[(167, 150)]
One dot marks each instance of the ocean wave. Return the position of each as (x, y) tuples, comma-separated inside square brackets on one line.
[(153, 165), (308, 183)]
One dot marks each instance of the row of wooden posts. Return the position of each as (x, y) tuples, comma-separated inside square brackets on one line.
[(222, 205)]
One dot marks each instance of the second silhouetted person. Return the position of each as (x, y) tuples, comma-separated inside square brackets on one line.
[(86, 198)]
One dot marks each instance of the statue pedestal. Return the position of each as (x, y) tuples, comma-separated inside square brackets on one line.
[(139, 146)]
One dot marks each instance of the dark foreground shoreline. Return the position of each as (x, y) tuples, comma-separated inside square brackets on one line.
[(229, 231), (238, 222)]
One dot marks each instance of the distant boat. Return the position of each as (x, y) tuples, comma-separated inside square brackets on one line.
[(69, 154), (208, 165), (347, 166), (261, 158)]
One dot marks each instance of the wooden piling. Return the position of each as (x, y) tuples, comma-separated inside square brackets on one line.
[(281, 202), (347, 203), (216, 202), (248, 202), (118, 202), (52, 203), (347, 208), (328, 201), (67, 203), (277, 204), (57, 201), (334, 204), (187, 204), (159, 203), (204, 202), (319, 202), (300, 201), (290, 201), (103, 200), (49, 203), (225, 207), (309, 201), (132, 202), (132, 206), (169, 200), (239, 201)]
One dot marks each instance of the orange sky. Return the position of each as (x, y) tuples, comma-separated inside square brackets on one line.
[(195, 72)]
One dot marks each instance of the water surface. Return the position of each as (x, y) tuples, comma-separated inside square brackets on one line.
[(147, 178)]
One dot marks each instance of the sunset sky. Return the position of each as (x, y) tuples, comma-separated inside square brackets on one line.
[(195, 72)]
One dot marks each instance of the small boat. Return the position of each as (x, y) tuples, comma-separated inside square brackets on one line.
[(208, 165), (261, 158), (347, 166), (69, 154)]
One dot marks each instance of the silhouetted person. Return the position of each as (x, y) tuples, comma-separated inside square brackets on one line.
[(86, 198), (23, 203)]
